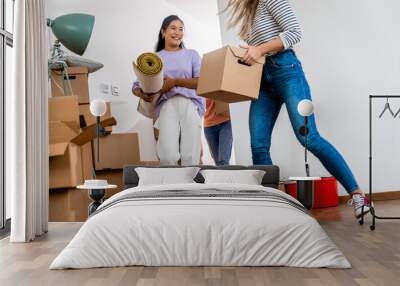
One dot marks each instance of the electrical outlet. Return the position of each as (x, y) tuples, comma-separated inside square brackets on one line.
[(114, 90), (105, 88)]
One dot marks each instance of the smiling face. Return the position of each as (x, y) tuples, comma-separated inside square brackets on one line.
[(173, 35)]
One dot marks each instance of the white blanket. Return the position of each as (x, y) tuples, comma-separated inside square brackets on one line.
[(203, 231)]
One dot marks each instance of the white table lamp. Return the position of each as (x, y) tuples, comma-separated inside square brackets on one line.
[(98, 108), (305, 108)]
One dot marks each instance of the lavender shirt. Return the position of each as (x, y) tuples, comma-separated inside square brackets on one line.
[(184, 63)]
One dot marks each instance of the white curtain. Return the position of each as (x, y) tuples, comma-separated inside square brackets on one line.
[(27, 123)]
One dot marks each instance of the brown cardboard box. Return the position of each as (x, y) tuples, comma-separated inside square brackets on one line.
[(78, 77), (64, 108), (71, 205), (68, 205), (88, 133), (113, 177), (70, 163), (59, 207), (65, 165), (62, 132), (117, 150), (224, 78)]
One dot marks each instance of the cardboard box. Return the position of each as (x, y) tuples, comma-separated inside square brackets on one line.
[(117, 150), (113, 177), (64, 108), (59, 207), (62, 132), (224, 78), (68, 205), (70, 163), (88, 133), (78, 78), (71, 205), (65, 165)]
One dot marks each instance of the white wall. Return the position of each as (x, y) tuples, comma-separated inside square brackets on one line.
[(350, 49), (124, 29)]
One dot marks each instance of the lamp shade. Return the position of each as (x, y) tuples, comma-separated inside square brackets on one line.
[(73, 31), (98, 107), (305, 107)]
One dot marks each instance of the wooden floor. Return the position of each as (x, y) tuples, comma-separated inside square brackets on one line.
[(375, 257)]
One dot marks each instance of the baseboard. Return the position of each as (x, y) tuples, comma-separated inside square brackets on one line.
[(383, 196)]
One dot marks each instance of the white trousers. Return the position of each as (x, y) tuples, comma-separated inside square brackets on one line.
[(179, 127)]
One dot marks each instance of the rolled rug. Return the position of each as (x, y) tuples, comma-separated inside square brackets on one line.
[(149, 72)]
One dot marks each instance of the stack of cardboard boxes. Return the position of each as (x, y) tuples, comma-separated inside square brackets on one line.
[(72, 148)]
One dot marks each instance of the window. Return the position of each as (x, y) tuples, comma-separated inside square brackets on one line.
[(6, 44)]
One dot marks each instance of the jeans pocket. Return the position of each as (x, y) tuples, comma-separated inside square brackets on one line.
[(284, 60), (284, 66)]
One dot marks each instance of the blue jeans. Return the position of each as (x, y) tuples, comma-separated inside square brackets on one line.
[(284, 82), (219, 138)]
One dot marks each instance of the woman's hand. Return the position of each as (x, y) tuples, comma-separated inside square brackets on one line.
[(145, 96), (252, 54), (169, 83)]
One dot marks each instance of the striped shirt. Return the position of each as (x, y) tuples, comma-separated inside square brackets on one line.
[(274, 18)]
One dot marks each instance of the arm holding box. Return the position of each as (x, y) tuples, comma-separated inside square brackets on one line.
[(254, 53), (291, 34)]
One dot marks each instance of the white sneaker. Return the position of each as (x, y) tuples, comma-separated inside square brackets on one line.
[(360, 204)]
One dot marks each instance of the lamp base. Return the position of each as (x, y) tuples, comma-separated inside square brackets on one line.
[(97, 196), (305, 190), (305, 193)]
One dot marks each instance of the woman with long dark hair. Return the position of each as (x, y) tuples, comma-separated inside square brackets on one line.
[(271, 29), (179, 108)]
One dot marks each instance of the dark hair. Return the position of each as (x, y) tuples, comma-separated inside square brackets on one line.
[(161, 41)]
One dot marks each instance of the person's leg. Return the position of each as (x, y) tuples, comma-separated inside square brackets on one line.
[(263, 114), (211, 134), (330, 158), (289, 82), (190, 122), (225, 143), (169, 130)]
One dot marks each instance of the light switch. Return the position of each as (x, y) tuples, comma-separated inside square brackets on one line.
[(104, 88), (114, 90)]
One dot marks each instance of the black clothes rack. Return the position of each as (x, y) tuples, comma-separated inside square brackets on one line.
[(372, 208)]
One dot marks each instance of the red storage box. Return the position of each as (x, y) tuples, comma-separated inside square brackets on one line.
[(291, 189), (325, 192)]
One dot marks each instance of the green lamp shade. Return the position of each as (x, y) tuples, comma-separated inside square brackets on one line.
[(73, 31)]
